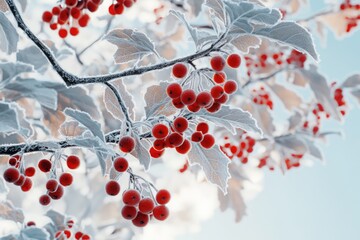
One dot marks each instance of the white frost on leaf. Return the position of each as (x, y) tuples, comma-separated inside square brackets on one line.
[(217, 8), (289, 98), (9, 71), (231, 119), (33, 233), (8, 35), (351, 82), (8, 119), (71, 129), (214, 163), (141, 151), (33, 56), (86, 120), (112, 104), (9, 212), (157, 101), (132, 45)]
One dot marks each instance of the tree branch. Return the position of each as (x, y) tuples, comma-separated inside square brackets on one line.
[(71, 79)]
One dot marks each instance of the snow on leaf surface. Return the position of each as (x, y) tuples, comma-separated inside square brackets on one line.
[(9, 71), (132, 45), (87, 121), (141, 151), (232, 119), (112, 104), (33, 56), (217, 7), (34, 233), (9, 212), (8, 35), (214, 163)]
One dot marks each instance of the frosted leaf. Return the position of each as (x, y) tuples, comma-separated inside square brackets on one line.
[(245, 43), (35, 89), (33, 56), (351, 82), (231, 119), (214, 164), (141, 151), (8, 119), (356, 94), (71, 129), (87, 121), (132, 45), (34, 233), (217, 8), (292, 143), (3, 189), (157, 101), (295, 120), (289, 98), (195, 6), (9, 212), (57, 218), (112, 104), (8, 35), (292, 34), (322, 91), (10, 70), (23, 4), (313, 150)]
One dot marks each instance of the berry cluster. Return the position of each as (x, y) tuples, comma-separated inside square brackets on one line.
[(318, 113), (353, 11), (293, 161), (68, 232), (17, 175), (262, 97), (209, 100), (265, 161), (184, 167), (241, 149), (139, 209), (202, 136), (339, 99), (54, 186), (172, 137), (70, 15), (265, 60)]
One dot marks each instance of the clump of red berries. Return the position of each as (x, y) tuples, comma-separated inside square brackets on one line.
[(265, 161), (203, 136), (240, 149), (261, 96), (119, 6), (140, 209), (352, 14), (313, 122), (17, 175), (339, 99), (293, 161), (172, 137), (68, 232)]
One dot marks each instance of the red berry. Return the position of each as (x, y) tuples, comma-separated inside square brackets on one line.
[(174, 90), (174, 139), (178, 103), (223, 99), (112, 188), (188, 97), (53, 26), (73, 162), (217, 63), (44, 165), (128, 3), (91, 6), (204, 99), (20, 181), (141, 220), (234, 60), (156, 153), (44, 200), (63, 33), (30, 223), (84, 20), (214, 107), (12, 161), (230, 87), (27, 185), (208, 141), (194, 107), (217, 91), (197, 137), (11, 175), (30, 171), (66, 179), (219, 77), (78, 235), (181, 124), (75, 13), (179, 70), (129, 212), (112, 9), (146, 205), (202, 127), (64, 16), (85, 237), (161, 212), (57, 194), (184, 148), (119, 8), (47, 16), (52, 185), (160, 131), (56, 10), (74, 31), (121, 164), (127, 144), (67, 233), (71, 3), (163, 196), (159, 144), (131, 197)]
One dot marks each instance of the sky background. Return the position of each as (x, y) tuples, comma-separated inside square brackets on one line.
[(309, 203)]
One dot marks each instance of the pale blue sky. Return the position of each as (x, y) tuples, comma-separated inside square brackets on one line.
[(311, 203)]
